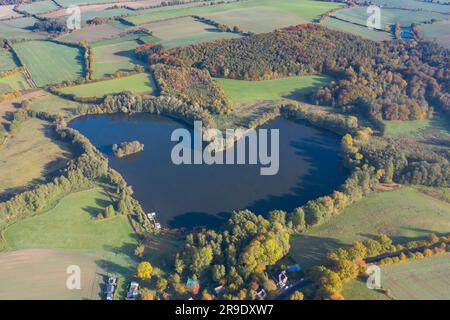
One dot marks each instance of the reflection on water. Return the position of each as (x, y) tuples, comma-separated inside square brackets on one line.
[(202, 195)]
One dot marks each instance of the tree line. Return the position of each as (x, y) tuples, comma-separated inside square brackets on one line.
[(345, 264), (236, 256)]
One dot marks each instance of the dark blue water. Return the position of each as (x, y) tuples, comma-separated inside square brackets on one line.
[(204, 195)]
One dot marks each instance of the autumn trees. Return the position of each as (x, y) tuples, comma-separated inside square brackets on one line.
[(396, 80), (345, 264), (144, 270), (192, 85), (237, 255)]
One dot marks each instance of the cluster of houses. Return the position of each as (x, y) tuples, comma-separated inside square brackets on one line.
[(111, 287), (281, 279)]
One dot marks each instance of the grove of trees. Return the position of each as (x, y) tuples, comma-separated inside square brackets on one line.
[(397, 80)]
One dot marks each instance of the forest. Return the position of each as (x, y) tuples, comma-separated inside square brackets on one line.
[(238, 254), (192, 85), (390, 80)]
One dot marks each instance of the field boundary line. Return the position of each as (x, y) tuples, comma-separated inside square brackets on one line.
[(28, 77)]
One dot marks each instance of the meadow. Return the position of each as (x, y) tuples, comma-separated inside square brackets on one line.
[(427, 279), (304, 10), (416, 128), (184, 31), (17, 29), (255, 19), (107, 13), (50, 63), (389, 17), (107, 246), (114, 55), (91, 34), (7, 12), (404, 214), (357, 290), (13, 82), (138, 83), (66, 3), (362, 31), (29, 156), (438, 32), (69, 225), (409, 4), (53, 105), (6, 60), (290, 87), (9, 106), (38, 7), (47, 278)]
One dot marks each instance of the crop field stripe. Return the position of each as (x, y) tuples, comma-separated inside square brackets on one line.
[(49, 62), (306, 8)]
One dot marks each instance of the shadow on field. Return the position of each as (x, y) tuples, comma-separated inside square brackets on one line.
[(311, 250)]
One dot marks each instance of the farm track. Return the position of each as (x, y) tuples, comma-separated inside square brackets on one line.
[(28, 77)]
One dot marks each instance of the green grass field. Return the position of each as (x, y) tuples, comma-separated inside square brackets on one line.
[(139, 83), (50, 63), (404, 214), (6, 60), (409, 4), (91, 34), (183, 31), (30, 155), (108, 13), (114, 55), (7, 12), (438, 32), (357, 290), (357, 30), (54, 105), (16, 29), (39, 7), (69, 225), (255, 19), (388, 16), (427, 279), (71, 237), (47, 277), (303, 10), (66, 3), (14, 82), (244, 91)]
